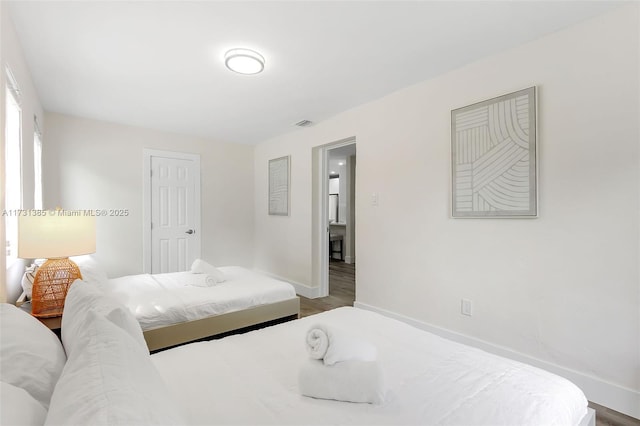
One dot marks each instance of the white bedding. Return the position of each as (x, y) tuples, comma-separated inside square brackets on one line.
[(253, 379), (162, 299)]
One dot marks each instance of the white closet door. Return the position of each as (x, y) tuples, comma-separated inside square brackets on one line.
[(175, 240)]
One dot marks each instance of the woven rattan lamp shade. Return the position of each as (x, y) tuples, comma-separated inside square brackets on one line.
[(55, 236)]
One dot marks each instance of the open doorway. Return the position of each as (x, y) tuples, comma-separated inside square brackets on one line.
[(341, 167), (343, 215)]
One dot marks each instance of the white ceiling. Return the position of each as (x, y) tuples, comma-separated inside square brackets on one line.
[(159, 64)]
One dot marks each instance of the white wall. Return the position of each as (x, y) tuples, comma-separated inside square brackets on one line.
[(11, 53), (562, 288), (92, 164)]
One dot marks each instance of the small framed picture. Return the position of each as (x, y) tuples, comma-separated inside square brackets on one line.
[(279, 186)]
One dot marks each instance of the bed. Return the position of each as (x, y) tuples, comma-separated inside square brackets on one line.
[(172, 313), (252, 378)]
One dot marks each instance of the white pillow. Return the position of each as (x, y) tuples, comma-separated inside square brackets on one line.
[(83, 298), (17, 407), (28, 278), (112, 381), (199, 266), (90, 269), (31, 356)]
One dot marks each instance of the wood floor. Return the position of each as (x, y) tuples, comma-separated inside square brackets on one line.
[(342, 293), (608, 417), (342, 290)]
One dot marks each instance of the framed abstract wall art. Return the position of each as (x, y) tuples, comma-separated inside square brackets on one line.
[(494, 157), (279, 186)]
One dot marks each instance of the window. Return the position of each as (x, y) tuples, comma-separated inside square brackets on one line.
[(37, 166), (13, 161)]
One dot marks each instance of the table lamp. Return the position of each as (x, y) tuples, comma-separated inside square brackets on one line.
[(55, 236)]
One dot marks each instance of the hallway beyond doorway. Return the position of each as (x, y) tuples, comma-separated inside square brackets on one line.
[(342, 290)]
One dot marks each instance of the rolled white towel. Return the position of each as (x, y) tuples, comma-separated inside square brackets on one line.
[(332, 346), (199, 266), (201, 280), (351, 381), (181, 279), (317, 342)]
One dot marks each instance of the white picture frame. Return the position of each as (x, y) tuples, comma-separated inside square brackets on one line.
[(279, 179), (494, 158)]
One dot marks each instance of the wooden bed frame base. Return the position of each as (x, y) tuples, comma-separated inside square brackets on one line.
[(176, 334)]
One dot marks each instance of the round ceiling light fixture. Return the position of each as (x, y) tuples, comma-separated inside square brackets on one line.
[(244, 61)]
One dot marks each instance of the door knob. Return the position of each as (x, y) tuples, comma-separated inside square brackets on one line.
[(190, 231)]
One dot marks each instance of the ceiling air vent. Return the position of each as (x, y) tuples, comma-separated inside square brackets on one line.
[(304, 123)]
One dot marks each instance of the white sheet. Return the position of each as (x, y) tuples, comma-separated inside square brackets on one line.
[(253, 379), (160, 300)]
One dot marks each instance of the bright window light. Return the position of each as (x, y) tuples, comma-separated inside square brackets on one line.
[(37, 171), (13, 160)]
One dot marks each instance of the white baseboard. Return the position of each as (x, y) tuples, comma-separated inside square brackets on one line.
[(349, 259), (616, 397), (306, 291), (301, 289)]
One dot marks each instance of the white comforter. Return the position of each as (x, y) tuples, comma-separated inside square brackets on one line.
[(162, 299), (252, 379)]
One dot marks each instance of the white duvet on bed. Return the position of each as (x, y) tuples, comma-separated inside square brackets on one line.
[(162, 299), (252, 379)]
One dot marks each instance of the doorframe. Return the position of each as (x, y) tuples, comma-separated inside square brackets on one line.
[(321, 207), (147, 154)]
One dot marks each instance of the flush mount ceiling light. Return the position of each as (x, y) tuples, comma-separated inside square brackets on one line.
[(244, 61)]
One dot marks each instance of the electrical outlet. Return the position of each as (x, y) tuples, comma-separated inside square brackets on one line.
[(466, 307), (374, 199)]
